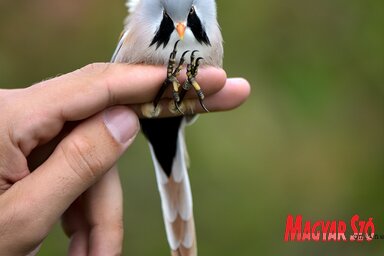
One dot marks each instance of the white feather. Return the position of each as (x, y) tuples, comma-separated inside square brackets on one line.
[(119, 45), (179, 170), (189, 235), (131, 5), (174, 243)]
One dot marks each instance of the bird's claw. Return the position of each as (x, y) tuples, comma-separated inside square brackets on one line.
[(172, 73), (192, 69)]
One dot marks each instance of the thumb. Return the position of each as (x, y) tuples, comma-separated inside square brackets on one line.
[(79, 160)]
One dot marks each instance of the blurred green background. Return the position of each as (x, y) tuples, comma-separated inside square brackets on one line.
[(310, 140)]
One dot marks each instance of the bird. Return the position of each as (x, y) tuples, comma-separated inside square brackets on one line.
[(165, 32)]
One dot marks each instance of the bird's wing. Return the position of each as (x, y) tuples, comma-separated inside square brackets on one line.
[(119, 45), (131, 4)]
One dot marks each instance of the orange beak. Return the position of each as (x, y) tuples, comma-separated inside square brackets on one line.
[(180, 28)]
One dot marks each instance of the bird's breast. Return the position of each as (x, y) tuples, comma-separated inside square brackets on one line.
[(189, 43), (138, 50)]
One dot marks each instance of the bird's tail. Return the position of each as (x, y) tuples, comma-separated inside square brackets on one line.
[(176, 201)]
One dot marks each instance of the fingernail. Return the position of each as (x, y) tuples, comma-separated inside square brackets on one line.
[(122, 123), (238, 80)]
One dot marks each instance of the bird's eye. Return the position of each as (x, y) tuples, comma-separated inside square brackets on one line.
[(192, 11)]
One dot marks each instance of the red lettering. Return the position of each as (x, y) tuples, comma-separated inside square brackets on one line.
[(341, 228), (315, 231), (355, 234), (370, 226), (307, 231), (324, 229), (291, 229), (332, 231)]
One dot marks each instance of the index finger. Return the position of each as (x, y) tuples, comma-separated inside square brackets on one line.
[(91, 89)]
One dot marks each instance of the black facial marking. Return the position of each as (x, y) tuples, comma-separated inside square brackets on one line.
[(163, 34), (197, 28)]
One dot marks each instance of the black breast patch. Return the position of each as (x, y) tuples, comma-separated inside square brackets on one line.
[(163, 133)]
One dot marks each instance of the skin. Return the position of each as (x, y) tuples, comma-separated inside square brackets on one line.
[(70, 131)]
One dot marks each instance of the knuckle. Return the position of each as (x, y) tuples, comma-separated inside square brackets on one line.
[(103, 73), (111, 97), (83, 159)]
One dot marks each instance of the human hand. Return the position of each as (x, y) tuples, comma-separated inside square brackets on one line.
[(70, 131)]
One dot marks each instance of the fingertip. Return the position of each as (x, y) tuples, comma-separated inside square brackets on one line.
[(233, 94), (240, 86)]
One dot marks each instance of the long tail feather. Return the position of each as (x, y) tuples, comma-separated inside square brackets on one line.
[(176, 201)]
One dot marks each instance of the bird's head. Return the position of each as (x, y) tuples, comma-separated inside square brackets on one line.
[(190, 19)]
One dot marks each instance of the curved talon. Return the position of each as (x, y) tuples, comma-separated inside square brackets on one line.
[(173, 53), (196, 66), (182, 60), (198, 60), (203, 106), (177, 42), (193, 52), (184, 53), (178, 108), (193, 56)]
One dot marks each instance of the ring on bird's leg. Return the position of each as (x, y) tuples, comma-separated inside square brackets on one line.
[(184, 88)]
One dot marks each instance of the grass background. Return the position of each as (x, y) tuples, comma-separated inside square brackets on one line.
[(310, 140)]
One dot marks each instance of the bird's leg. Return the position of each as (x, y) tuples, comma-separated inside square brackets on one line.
[(168, 80), (172, 73), (187, 85), (192, 69)]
